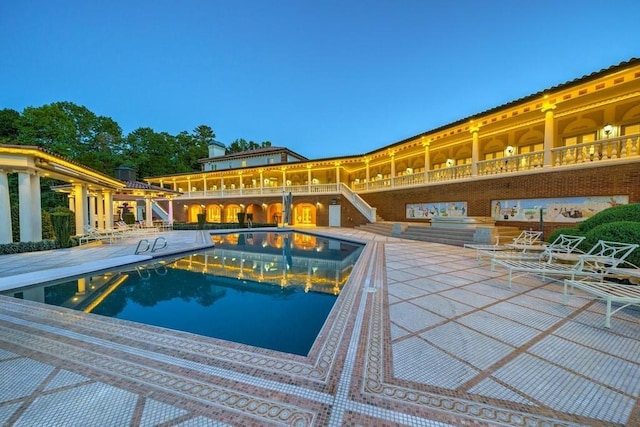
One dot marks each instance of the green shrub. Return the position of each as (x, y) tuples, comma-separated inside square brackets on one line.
[(47, 227), (129, 218), (62, 228), (20, 247), (15, 222), (201, 218), (614, 214), (620, 231), (64, 209)]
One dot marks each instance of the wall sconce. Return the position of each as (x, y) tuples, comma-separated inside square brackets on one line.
[(314, 181), (449, 163), (510, 150), (608, 128), (409, 171)]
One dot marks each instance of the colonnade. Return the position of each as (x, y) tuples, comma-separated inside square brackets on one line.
[(30, 216)]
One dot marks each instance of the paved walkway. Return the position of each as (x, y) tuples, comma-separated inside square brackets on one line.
[(423, 335)]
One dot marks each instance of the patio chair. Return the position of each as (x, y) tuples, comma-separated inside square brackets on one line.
[(524, 239), (610, 292), (597, 263), (92, 234), (564, 247)]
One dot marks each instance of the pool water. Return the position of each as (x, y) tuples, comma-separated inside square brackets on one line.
[(270, 290)]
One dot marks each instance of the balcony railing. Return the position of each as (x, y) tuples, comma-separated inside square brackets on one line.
[(623, 147), (606, 149)]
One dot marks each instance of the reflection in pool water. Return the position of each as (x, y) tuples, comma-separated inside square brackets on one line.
[(272, 290)]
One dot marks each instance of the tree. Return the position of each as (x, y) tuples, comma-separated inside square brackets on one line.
[(74, 132), (9, 126), (240, 145)]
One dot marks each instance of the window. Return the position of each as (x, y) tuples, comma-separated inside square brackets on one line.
[(494, 155), (579, 139), (631, 129), (460, 162), (244, 163), (532, 148)]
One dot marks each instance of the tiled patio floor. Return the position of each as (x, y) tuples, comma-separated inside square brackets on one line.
[(423, 335)]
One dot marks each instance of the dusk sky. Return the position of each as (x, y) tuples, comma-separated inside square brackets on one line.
[(324, 78)]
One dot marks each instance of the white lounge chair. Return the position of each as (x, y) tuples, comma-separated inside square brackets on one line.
[(564, 247), (92, 234), (597, 263), (610, 292), (526, 238)]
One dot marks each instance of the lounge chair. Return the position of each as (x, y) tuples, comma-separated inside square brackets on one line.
[(597, 263), (608, 291), (92, 234), (525, 239), (564, 247)]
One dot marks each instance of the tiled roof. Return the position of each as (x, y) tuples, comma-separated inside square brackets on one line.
[(137, 185)]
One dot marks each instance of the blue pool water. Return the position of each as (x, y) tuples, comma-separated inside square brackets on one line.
[(270, 290)]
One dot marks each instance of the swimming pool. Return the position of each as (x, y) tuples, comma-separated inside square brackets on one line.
[(265, 289)]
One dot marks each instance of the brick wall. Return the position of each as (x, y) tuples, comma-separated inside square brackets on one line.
[(623, 179)]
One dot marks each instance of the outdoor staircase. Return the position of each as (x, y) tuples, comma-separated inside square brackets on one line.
[(444, 235)]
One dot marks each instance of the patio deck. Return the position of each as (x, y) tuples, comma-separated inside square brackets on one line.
[(424, 335)]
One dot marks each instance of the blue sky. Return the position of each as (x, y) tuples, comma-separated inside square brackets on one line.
[(323, 78)]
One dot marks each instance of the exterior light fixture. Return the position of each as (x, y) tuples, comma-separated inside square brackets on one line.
[(510, 150), (608, 128), (449, 162)]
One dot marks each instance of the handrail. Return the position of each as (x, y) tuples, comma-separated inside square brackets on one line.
[(365, 209), (160, 240), (146, 242)]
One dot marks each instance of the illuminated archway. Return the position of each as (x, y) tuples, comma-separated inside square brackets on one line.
[(214, 213), (259, 215), (304, 214), (192, 213)]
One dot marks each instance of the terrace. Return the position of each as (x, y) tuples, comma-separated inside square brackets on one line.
[(423, 334)]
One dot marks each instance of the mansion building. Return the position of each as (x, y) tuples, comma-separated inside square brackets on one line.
[(554, 157), (565, 152)]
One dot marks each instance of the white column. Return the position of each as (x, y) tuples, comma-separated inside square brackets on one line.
[(284, 179), (6, 235), (100, 201), (338, 175), (549, 131), (261, 181), (475, 149), (36, 206), (80, 195), (427, 160), (92, 210), (108, 209), (148, 212), (72, 202), (170, 211), (309, 178), (393, 167), (204, 183), (366, 162), (30, 215)]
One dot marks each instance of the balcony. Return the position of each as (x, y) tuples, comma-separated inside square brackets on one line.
[(623, 148)]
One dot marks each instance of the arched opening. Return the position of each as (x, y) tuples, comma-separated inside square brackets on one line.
[(214, 213), (230, 213), (257, 212), (192, 213), (274, 213), (304, 214)]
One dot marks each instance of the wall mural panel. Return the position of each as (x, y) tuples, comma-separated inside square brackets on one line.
[(569, 209), (429, 210)]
